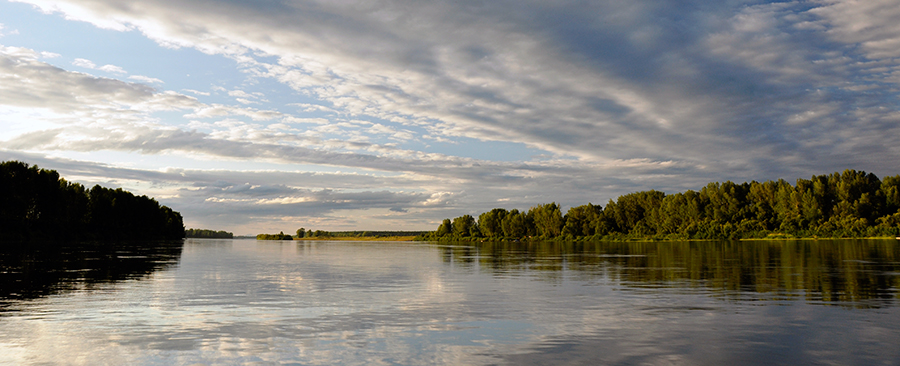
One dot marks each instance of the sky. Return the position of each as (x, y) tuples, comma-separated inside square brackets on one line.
[(257, 116)]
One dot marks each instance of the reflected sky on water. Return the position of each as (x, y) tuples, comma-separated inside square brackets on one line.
[(307, 303)]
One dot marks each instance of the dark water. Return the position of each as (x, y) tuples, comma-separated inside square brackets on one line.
[(225, 302)]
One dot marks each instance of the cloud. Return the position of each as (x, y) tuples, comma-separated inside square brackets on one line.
[(112, 69), (28, 82), (609, 81), (197, 92), (869, 24), (219, 110), (88, 64), (146, 79), (607, 97)]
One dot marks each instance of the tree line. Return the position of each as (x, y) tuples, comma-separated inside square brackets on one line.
[(37, 204), (309, 233), (301, 233), (849, 204), (322, 234), (208, 234)]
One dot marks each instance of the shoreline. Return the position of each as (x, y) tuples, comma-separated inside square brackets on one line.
[(413, 238), (360, 238)]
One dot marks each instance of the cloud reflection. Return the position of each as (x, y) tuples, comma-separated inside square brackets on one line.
[(246, 301)]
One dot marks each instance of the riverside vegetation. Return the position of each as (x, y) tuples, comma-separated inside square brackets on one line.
[(37, 204), (839, 205), (208, 234), (304, 234)]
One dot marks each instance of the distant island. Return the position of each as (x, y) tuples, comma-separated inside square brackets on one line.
[(839, 205), (304, 234), (37, 204), (208, 234)]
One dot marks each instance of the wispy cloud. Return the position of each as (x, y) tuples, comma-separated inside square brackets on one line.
[(145, 79), (88, 64), (4, 32)]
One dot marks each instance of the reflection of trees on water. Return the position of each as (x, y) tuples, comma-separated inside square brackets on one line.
[(824, 270), (42, 270)]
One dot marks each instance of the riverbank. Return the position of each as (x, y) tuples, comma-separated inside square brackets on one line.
[(362, 238)]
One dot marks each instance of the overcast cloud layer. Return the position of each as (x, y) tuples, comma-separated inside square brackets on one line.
[(393, 115)]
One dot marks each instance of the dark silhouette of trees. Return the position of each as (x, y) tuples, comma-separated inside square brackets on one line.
[(37, 204), (210, 234)]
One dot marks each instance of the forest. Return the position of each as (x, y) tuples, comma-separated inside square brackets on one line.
[(839, 205), (207, 234), (39, 205)]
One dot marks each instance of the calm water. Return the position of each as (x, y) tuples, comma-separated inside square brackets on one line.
[(224, 302)]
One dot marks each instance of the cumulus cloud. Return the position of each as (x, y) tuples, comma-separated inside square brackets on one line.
[(112, 69), (87, 64)]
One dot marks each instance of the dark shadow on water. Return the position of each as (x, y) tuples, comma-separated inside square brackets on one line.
[(36, 270)]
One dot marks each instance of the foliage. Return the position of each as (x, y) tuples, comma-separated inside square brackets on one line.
[(37, 204), (839, 205), (491, 223), (310, 234), (280, 236), (465, 226), (203, 233)]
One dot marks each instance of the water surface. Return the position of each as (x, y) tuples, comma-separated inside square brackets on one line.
[(223, 302)]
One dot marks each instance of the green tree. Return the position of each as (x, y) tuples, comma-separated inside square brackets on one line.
[(445, 229), (548, 220), (491, 223), (464, 226), (582, 221), (514, 224)]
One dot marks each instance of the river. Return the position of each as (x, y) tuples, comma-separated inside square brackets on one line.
[(227, 302)]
